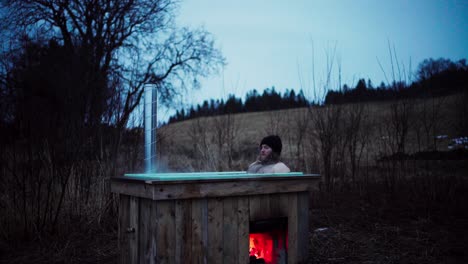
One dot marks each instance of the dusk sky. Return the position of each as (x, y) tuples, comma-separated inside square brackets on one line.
[(271, 43)]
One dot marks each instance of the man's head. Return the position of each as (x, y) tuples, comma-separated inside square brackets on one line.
[(270, 148)]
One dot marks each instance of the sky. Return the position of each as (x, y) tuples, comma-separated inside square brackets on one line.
[(284, 43)]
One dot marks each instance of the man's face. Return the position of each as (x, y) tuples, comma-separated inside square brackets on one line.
[(265, 152)]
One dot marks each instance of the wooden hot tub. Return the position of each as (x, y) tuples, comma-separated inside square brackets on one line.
[(208, 217)]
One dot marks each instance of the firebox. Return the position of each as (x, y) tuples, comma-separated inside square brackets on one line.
[(268, 241), (231, 217)]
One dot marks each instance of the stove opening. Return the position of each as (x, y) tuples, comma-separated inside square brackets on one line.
[(268, 241)]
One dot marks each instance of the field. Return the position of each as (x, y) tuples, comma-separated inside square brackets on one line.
[(392, 193), (394, 182), (378, 128)]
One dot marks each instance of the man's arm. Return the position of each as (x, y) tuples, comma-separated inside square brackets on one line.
[(253, 167)]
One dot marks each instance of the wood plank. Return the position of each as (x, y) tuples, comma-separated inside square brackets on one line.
[(283, 204), (215, 230), (124, 222), (275, 209), (165, 244), (183, 222), (148, 232), (198, 236), (135, 188), (265, 206), (154, 228), (280, 205), (243, 230), (303, 226), (230, 230), (213, 177), (292, 228), (240, 187), (255, 209), (133, 229), (199, 231)]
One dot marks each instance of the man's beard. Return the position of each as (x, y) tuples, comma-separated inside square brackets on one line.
[(269, 159)]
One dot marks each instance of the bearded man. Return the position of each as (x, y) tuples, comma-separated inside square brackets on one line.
[(268, 157)]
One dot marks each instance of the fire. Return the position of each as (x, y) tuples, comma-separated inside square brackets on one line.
[(269, 246), (261, 246)]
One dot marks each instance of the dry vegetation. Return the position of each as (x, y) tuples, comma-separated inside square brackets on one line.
[(375, 204), (377, 130)]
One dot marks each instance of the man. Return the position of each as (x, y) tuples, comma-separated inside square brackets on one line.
[(268, 158)]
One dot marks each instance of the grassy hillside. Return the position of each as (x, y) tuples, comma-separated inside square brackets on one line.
[(390, 191), (182, 143)]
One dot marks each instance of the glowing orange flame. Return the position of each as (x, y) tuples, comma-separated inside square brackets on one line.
[(270, 246), (261, 246)]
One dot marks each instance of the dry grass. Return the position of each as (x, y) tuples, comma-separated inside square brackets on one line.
[(394, 212), (77, 247), (413, 225), (177, 147), (418, 216)]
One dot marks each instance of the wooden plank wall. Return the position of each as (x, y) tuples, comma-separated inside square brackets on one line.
[(206, 230), (124, 220), (183, 238), (215, 235)]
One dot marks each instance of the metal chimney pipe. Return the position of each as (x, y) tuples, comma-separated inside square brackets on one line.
[(151, 121)]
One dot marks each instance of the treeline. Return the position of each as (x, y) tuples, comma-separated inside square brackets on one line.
[(269, 100), (433, 78)]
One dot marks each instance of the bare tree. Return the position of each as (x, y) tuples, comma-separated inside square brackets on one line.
[(327, 126), (401, 112), (461, 114), (128, 43), (326, 121), (275, 123), (88, 60), (394, 133), (227, 129), (356, 133), (205, 157), (430, 118), (298, 123)]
